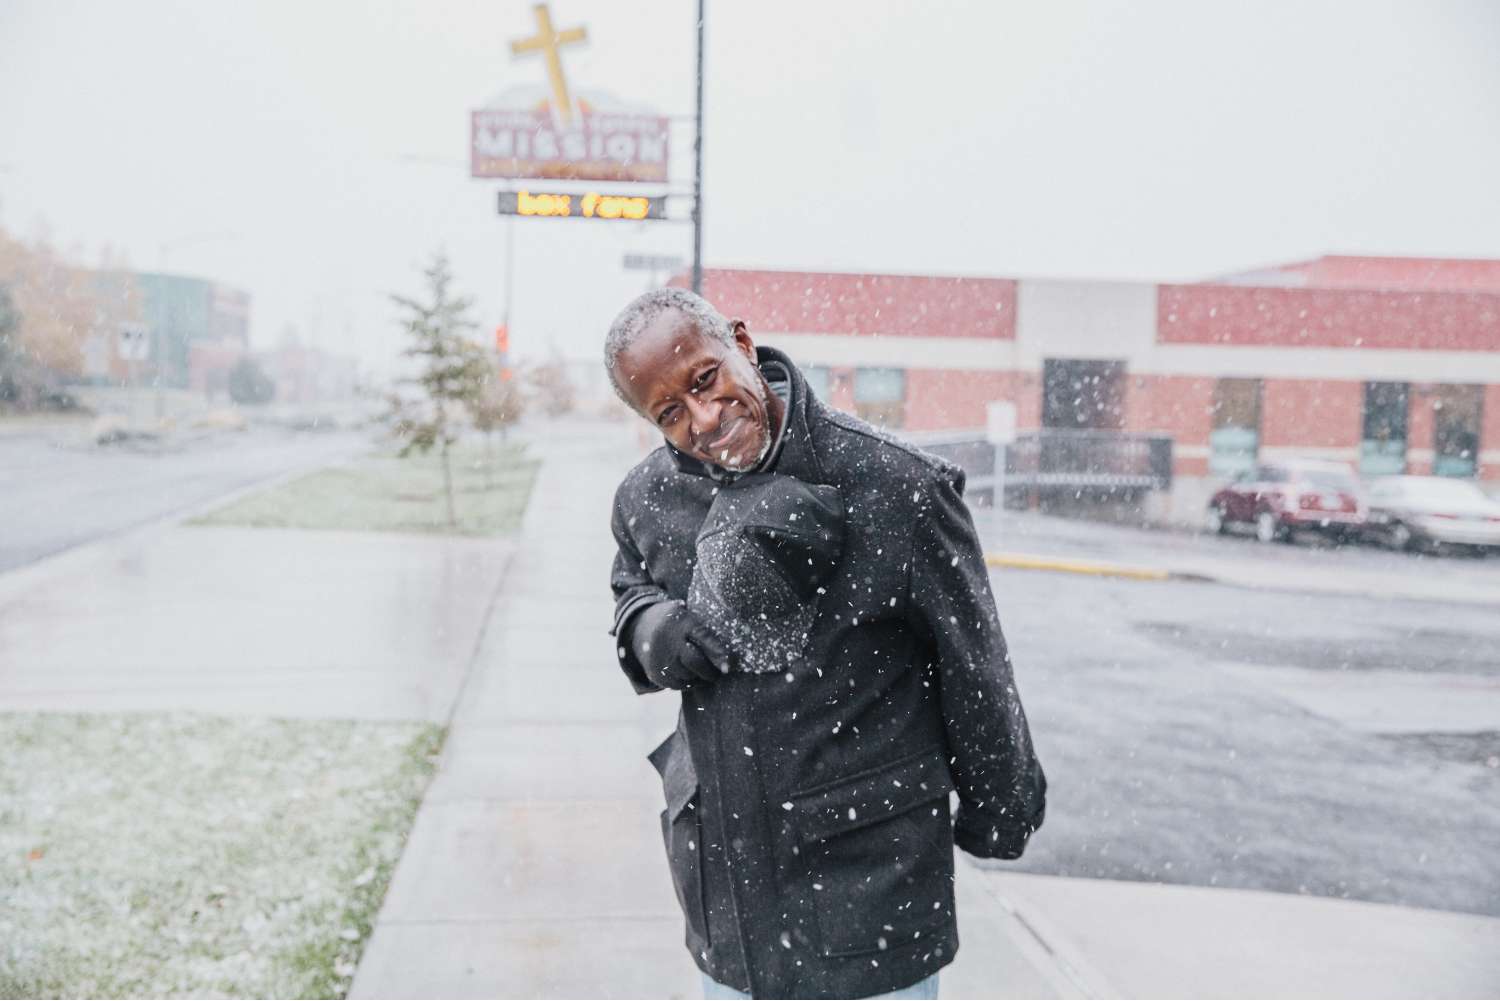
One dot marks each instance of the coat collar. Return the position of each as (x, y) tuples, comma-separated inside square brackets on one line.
[(792, 454)]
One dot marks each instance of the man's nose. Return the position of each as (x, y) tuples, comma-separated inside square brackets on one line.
[(703, 415)]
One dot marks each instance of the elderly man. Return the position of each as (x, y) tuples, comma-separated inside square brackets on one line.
[(816, 592)]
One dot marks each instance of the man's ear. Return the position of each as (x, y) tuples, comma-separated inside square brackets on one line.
[(742, 340)]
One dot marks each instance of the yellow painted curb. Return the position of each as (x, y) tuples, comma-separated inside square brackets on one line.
[(1020, 561)]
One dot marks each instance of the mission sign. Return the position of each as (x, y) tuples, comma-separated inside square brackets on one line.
[(593, 147)]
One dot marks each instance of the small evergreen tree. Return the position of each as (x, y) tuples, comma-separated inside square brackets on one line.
[(453, 370)]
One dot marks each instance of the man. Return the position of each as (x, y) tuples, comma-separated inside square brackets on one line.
[(817, 594)]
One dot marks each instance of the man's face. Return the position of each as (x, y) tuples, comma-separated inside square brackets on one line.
[(706, 397)]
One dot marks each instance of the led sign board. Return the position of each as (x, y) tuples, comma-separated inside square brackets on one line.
[(584, 205)]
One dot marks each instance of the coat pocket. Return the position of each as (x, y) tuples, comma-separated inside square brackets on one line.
[(879, 851), (682, 834)]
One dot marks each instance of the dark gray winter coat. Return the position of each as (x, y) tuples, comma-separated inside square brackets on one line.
[(807, 823)]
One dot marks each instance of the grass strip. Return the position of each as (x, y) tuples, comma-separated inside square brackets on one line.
[(177, 855), (385, 493)]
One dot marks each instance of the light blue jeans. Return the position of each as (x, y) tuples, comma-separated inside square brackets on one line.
[(922, 990)]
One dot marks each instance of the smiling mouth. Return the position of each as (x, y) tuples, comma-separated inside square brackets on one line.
[(729, 432)]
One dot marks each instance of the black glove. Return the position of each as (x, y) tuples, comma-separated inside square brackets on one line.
[(675, 649)]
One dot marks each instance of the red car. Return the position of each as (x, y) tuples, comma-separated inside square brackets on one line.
[(1278, 499)]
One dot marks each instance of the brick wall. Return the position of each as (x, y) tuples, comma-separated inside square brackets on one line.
[(833, 303), (841, 389), (1327, 318), (1178, 405), (1420, 424), (940, 399), (1489, 432), (1311, 413)]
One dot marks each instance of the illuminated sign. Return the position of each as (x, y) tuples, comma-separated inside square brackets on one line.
[(573, 136), (581, 205), (594, 147)]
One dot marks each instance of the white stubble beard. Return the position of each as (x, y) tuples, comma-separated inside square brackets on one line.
[(736, 463)]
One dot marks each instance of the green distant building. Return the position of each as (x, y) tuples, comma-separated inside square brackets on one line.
[(187, 317)]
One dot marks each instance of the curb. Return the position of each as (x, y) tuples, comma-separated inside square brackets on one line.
[(1023, 561)]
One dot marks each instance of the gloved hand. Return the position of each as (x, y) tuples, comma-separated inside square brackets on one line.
[(675, 649)]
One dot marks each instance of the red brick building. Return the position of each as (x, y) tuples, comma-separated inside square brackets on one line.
[(1389, 364)]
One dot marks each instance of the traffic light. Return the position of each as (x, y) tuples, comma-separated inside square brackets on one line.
[(502, 340)]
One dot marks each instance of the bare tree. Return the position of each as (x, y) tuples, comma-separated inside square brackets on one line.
[(553, 387), (497, 404)]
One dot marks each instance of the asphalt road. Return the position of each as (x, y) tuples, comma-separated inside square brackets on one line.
[(59, 492), (1194, 733)]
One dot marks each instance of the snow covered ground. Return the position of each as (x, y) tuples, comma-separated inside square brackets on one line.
[(383, 493), (187, 855)]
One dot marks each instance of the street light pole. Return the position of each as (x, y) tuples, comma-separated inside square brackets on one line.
[(698, 168)]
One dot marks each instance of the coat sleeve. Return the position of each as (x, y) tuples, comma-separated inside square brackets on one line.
[(634, 590), (1001, 788)]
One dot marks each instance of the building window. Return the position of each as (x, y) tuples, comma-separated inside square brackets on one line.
[(1235, 438), (817, 377), (880, 396), (1082, 393), (1456, 412), (1382, 448)]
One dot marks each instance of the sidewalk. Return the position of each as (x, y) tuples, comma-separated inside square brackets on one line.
[(248, 621), (1115, 939), (535, 868)]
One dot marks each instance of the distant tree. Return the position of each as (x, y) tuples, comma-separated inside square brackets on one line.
[(553, 387), (497, 404), (453, 370), (11, 363), (53, 308), (249, 383)]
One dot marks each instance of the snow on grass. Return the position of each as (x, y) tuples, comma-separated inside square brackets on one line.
[(384, 493), (193, 856)]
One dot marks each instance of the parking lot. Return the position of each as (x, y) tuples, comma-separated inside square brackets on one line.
[(1331, 727)]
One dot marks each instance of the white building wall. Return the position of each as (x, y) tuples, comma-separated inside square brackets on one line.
[(1108, 321)]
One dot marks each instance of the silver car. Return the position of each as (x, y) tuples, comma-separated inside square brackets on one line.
[(1408, 512)]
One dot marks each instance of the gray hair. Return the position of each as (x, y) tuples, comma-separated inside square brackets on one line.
[(636, 317)]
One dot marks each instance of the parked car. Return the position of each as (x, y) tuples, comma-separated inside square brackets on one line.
[(1278, 499), (1408, 512)]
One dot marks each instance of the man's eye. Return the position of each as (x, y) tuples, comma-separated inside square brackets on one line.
[(706, 379), (667, 416)]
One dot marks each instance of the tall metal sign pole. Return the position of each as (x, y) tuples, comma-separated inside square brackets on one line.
[(698, 168)]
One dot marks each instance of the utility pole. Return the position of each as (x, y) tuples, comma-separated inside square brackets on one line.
[(510, 275), (698, 168)]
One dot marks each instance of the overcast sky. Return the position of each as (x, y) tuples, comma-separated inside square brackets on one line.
[(315, 154)]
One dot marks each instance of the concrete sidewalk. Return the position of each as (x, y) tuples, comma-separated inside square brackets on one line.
[(1113, 939), (535, 868), (248, 621)]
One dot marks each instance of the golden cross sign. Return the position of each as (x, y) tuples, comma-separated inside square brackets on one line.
[(548, 42)]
